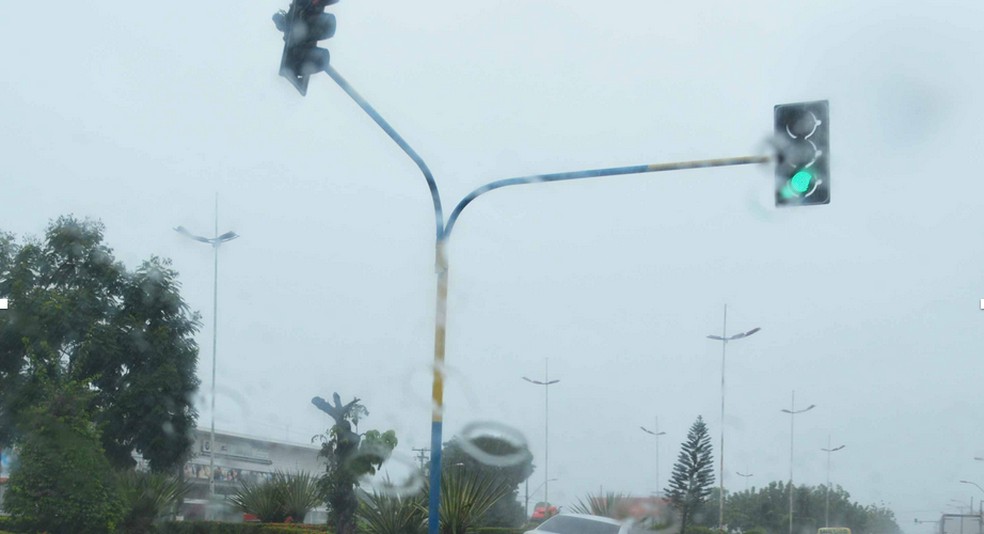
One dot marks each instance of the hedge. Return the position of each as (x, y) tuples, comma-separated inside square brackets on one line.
[(216, 527)]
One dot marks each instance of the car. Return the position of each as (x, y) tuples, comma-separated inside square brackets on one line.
[(542, 511), (584, 524)]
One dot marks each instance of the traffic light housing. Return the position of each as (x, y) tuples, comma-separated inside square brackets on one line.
[(802, 137), (304, 24)]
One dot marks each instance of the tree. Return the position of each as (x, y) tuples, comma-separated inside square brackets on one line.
[(693, 474), (348, 456), (767, 509), (505, 512), (62, 482), (77, 315)]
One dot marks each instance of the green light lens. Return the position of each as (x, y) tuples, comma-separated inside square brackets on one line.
[(800, 182)]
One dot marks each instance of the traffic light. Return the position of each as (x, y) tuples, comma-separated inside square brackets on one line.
[(802, 135), (304, 24)]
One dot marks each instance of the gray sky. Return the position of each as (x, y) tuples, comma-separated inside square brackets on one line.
[(137, 114)]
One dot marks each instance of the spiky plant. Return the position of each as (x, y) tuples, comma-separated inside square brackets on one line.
[(610, 504), (392, 514), (299, 493), (465, 498), (148, 497), (285, 495)]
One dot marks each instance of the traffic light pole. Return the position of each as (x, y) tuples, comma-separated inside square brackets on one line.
[(442, 263)]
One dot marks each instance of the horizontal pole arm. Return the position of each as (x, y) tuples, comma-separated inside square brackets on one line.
[(595, 173)]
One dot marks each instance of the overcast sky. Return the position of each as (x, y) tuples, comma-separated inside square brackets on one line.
[(139, 113)]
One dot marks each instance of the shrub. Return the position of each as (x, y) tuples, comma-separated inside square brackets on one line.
[(215, 527), (62, 482), (392, 514), (283, 496), (147, 497)]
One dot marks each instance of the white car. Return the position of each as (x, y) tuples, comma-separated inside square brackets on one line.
[(583, 524)]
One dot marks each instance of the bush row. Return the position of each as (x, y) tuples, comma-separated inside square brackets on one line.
[(215, 527)]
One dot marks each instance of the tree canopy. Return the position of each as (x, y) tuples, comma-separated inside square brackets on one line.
[(767, 509), (77, 315), (693, 474)]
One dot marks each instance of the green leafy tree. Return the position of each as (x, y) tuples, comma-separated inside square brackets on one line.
[(506, 512), (77, 315), (62, 482), (348, 456), (693, 475), (767, 509)]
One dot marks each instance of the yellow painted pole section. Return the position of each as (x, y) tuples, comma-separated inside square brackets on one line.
[(440, 331)]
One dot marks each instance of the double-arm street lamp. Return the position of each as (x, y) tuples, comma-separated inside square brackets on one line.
[(546, 383), (746, 476), (655, 433), (828, 450), (981, 502), (215, 242), (792, 411), (724, 339)]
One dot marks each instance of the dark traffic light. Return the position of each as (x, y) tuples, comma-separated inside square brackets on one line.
[(304, 24), (802, 135)]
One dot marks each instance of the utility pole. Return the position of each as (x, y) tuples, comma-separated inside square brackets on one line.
[(422, 457)]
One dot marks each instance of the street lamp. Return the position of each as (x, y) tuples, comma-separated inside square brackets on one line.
[(724, 339), (792, 411), (828, 450), (746, 477), (656, 433), (215, 242), (973, 484), (546, 383)]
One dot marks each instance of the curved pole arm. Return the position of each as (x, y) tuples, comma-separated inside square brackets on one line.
[(431, 184), (576, 175)]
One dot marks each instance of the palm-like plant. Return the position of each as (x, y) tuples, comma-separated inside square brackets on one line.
[(392, 514), (299, 493), (610, 504), (261, 500), (465, 498), (148, 497), (285, 495)]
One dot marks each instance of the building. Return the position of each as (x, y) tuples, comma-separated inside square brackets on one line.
[(238, 458)]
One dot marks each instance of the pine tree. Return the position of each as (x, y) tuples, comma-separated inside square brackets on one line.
[(693, 474)]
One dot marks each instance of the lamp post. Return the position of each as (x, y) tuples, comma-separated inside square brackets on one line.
[(828, 450), (215, 242), (980, 503), (724, 339), (546, 383), (655, 433), (792, 411), (746, 476)]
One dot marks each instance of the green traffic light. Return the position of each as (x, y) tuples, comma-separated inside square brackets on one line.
[(800, 182)]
